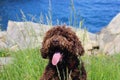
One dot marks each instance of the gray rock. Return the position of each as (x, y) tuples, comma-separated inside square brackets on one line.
[(89, 41), (113, 46), (3, 44), (109, 37), (21, 35), (25, 34), (5, 60)]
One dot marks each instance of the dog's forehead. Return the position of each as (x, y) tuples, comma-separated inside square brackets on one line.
[(64, 30), (60, 31)]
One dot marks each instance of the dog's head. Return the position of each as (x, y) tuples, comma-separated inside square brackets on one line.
[(61, 39)]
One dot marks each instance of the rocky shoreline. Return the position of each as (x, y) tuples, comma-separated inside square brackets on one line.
[(21, 35)]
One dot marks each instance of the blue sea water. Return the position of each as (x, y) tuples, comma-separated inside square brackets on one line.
[(96, 14)]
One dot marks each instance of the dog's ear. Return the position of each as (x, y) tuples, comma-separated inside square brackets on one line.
[(46, 42), (80, 49), (43, 53), (77, 47), (44, 48)]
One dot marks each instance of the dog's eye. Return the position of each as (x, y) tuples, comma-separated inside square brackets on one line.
[(69, 39), (66, 37)]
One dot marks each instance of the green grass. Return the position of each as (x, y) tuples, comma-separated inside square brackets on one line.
[(103, 67), (4, 52), (28, 65)]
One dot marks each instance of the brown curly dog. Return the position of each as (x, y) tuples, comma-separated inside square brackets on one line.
[(62, 47)]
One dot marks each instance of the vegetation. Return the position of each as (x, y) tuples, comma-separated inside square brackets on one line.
[(28, 65), (103, 67), (4, 52)]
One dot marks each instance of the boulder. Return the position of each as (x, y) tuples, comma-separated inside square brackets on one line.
[(3, 39), (25, 34), (113, 47), (109, 36), (2, 45), (22, 35), (89, 41), (5, 60)]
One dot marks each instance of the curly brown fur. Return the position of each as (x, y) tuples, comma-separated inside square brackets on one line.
[(62, 39)]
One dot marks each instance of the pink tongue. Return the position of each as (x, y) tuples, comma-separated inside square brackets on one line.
[(56, 58)]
